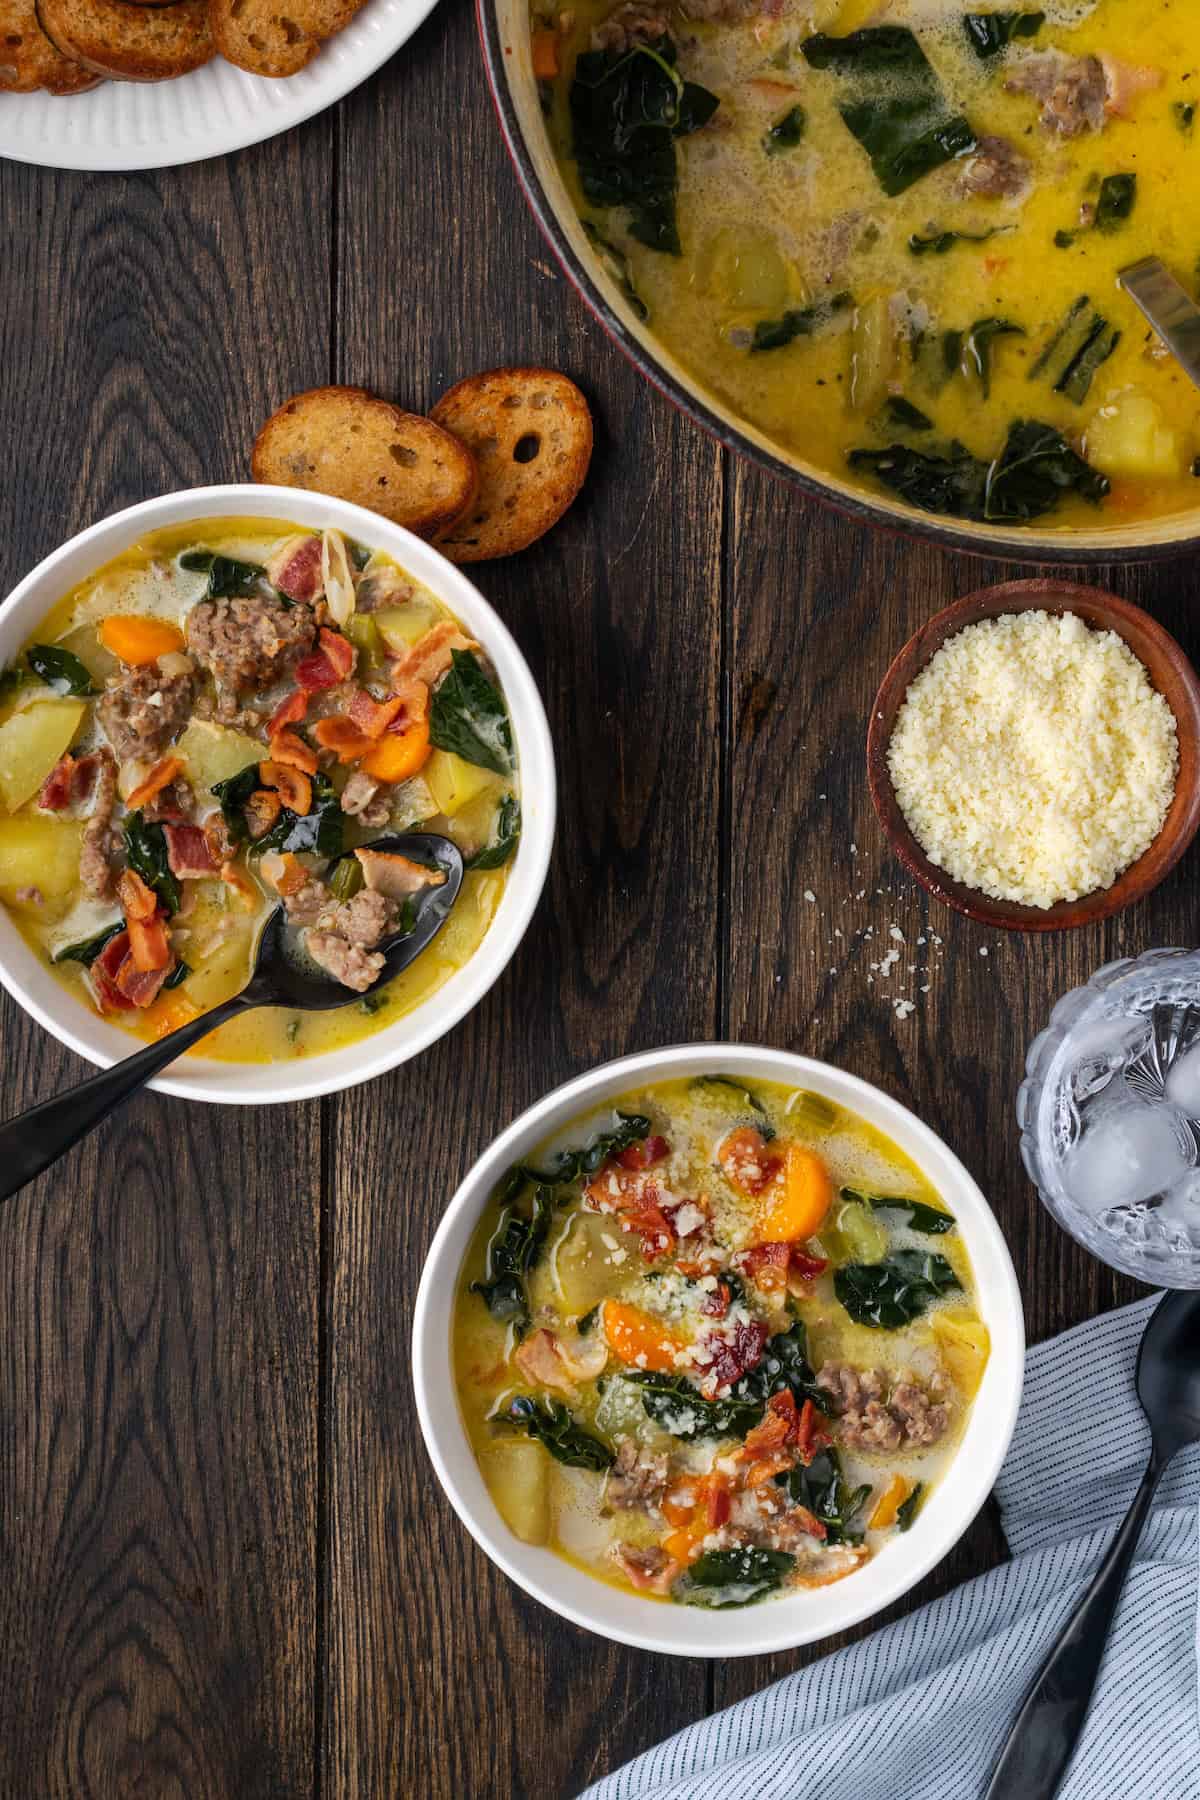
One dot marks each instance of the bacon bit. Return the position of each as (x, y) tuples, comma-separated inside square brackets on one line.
[(149, 946), (137, 900), (316, 672), (189, 851), (718, 1301), (414, 695), (430, 656), (295, 568), (287, 747), (777, 1427), (759, 1473), (292, 785), (285, 872), (805, 1266), (718, 1503), (726, 1360), (652, 1227), (748, 1164), (539, 1361), (342, 736), (993, 264), (372, 717), (811, 1435), (340, 651), (55, 794), (141, 986), (644, 1155), (262, 809), (160, 776), (766, 1266), (103, 975), (290, 711), (644, 1569), (812, 1525), (242, 886)]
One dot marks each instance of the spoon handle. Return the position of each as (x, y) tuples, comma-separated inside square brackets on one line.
[(34, 1139), (1048, 1726)]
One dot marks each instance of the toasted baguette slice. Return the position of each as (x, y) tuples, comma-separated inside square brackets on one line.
[(28, 60), (347, 442), (531, 433), (132, 43), (276, 37)]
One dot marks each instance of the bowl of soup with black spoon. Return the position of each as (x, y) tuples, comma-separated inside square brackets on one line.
[(207, 703)]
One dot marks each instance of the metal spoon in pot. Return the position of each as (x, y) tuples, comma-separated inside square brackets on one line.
[(1051, 1719), (34, 1139), (1168, 306)]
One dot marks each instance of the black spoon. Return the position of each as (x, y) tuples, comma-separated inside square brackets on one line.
[(34, 1139), (1052, 1715)]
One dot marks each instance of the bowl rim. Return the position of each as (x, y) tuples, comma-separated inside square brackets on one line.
[(868, 509), (1099, 609), (255, 1084), (970, 1475)]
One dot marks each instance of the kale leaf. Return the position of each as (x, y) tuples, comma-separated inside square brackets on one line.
[(977, 348), (672, 1402), (904, 415), (506, 833), (894, 1292), (320, 830), (990, 33), (1115, 202), (820, 1487), (786, 132), (233, 794), (796, 322), (745, 1095), (936, 243), (1078, 346), (467, 715), (899, 114), (627, 109), (88, 949), (60, 669), (226, 575), (908, 1509), (1031, 474), (146, 850), (569, 1165), (917, 1216), (733, 1577), (514, 1248), (552, 1425)]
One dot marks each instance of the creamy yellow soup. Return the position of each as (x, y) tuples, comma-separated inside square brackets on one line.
[(846, 321), (212, 927), (716, 1341)]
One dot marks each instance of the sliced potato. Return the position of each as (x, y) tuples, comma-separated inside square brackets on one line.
[(516, 1471), (38, 853), (215, 752), (1128, 436), (965, 1345), (872, 354), (455, 783), (401, 626), (581, 1263), (31, 742)]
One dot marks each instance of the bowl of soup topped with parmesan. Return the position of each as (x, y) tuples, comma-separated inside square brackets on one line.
[(876, 246), (717, 1350), (206, 703)]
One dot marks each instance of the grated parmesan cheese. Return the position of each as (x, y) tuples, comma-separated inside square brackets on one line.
[(1033, 759)]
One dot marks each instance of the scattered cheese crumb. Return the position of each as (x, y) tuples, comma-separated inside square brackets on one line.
[(810, 896)]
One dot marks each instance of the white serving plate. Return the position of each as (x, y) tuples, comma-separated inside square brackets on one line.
[(156, 125)]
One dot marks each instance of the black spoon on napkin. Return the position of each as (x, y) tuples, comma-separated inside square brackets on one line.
[(1051, 1719), (35, 1139)]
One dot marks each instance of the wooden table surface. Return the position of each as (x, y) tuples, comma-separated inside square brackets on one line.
[(226, 1569)]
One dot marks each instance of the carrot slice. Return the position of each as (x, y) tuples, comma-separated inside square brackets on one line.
[(793, 1207), (133, 638), (171, 1013), (887, 1507), (160, 776), (292, 785), (639, 1339), (149, 944), (342, 735), (544, 45), (289, 747), (137, 900), (399, 754)]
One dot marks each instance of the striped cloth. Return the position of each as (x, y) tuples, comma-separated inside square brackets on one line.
[(919, 1711)]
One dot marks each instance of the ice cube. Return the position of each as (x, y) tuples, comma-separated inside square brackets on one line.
[(1098, 1051), (1183, 1082), (1128, 1153)]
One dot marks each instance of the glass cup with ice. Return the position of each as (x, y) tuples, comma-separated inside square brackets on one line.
[(1110, 1116)]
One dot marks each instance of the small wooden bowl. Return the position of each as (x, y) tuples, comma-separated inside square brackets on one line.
[(1169, 671)]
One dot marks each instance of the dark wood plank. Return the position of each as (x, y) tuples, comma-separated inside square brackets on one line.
[(441, 1677), (158, 1392), (819, 607)]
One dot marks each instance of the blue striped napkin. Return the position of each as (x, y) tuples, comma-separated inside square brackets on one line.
[(920, 1710)]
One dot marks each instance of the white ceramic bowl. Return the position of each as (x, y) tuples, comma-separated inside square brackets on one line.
[(254, 1084), (778, 1624)]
